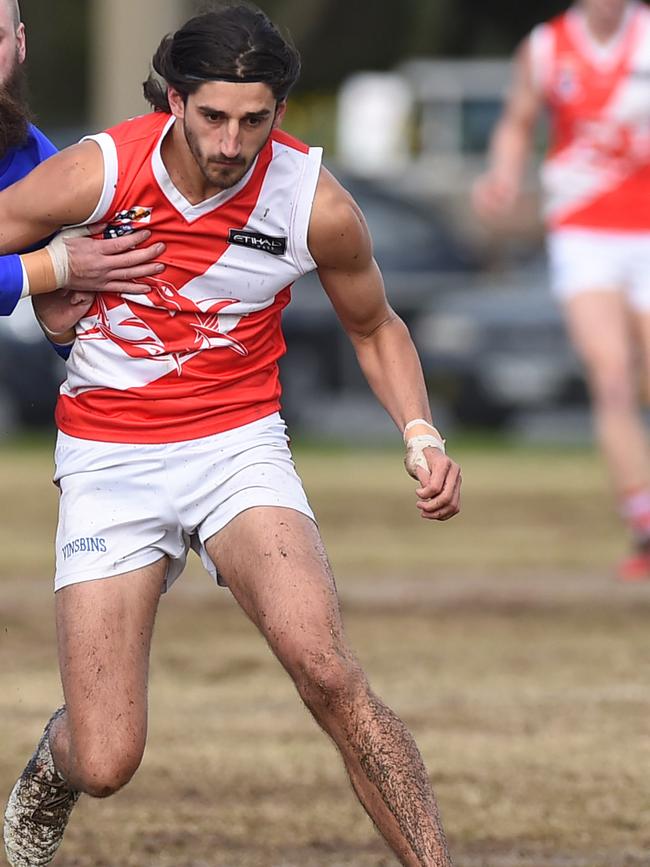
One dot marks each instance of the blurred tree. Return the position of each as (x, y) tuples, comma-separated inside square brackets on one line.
[(303, 20), (338, 36), (335, 38), (491, 28), (57, 54)]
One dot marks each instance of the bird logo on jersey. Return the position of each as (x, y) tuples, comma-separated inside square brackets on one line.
[(123, 222), (567, 83), (140, 335)]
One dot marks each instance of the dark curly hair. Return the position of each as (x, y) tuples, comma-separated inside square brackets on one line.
[(231, 43)]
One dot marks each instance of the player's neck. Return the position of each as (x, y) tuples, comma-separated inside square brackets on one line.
[(603, 27)]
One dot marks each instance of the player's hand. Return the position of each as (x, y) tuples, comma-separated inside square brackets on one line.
[(60, 311), (111, 264), (493, 196), (439, 478)]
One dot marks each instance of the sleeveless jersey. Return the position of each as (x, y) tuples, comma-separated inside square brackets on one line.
[(198, 354), (597, 171)]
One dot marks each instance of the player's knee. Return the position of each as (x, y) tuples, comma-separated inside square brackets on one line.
[(612, 390), (330, 683), (103, 772)]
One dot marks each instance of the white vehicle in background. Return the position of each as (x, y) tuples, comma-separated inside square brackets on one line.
[(442, 113)]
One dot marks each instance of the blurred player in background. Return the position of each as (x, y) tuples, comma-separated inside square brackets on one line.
[(90, 265), (170, 434), (590, 67)]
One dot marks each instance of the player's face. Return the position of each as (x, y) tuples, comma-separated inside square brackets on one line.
[(226, 124), (12, 43)]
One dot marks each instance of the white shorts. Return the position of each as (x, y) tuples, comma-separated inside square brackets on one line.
[(125, 506), (588, 259)]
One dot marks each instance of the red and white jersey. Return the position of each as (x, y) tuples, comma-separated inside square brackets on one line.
[(198, 354), (597, 171)]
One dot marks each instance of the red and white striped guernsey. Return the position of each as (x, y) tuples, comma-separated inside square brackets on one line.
[(597, 171), (198, 354)]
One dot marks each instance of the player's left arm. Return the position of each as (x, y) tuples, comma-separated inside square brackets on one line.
[(341, 247)]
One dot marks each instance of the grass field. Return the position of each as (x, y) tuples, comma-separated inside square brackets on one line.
[(520, 666)]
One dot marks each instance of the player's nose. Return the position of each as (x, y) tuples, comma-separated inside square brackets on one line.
[(230, 143)]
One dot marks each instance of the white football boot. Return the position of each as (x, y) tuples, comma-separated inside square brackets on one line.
[(38, 808)]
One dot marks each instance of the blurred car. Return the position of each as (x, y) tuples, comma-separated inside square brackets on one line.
[(499, 348), (30, 372), (420, 258)]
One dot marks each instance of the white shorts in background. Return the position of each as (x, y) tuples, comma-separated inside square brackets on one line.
[(588, 259), (125, 506)]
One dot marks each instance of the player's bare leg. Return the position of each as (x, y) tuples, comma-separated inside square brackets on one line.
[(95, 743), (275, 565), (600, 327), (104, 631)]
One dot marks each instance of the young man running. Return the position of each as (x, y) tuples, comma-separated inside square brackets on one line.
[(170, 435), (589, 67)]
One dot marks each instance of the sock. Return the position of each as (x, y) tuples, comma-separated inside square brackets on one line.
[(635, 510)]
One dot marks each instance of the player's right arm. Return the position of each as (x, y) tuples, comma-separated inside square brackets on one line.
[(496, 191), (62, 191), (65, 190)]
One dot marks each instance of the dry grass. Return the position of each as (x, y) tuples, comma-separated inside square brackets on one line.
[(520, 666)]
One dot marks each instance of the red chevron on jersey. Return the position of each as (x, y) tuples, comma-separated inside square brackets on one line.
[(197, 354), (597, 171)]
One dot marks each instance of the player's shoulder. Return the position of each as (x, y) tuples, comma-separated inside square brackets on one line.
[(546, 31), (138, 128), (643, 13), (280, 137), (556, 22), (21, 160), (43, 145), (337, 229)]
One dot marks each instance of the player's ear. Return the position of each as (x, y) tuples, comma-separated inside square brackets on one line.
[(20, 43), (176, 103), (280, 112)]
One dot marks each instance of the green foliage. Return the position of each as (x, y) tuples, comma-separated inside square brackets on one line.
[(335, 38), (57, 58), (311, 117)]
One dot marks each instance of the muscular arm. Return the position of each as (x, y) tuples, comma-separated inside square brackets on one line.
[(496, 191), (63, 190), (340, 245)]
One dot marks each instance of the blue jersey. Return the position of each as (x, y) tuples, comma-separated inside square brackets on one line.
[(14, 166)]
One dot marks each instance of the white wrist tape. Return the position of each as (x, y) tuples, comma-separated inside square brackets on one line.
[(59, 253), (417, 421), (415, 452), (25, 289)]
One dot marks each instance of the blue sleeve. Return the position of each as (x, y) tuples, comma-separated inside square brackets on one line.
[(11, 283), (63, 351), (44, 146), (37, 148)]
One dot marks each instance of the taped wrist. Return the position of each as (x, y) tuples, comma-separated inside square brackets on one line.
[(415, 456), (422, 422), (58, 253)]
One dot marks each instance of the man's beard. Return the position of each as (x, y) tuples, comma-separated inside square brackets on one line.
[(226, 173), (15, 115)]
